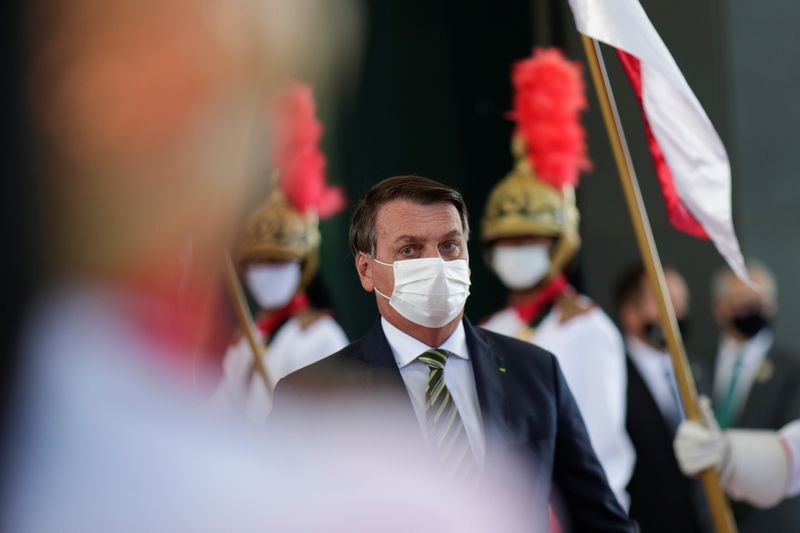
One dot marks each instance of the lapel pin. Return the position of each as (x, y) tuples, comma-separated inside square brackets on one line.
[(502, 369), (765, 371)]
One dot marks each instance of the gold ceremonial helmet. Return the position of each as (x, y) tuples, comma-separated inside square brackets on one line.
[(521, 205), (276, 231)]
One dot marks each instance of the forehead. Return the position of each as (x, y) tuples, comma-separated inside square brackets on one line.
[(402, 217), (738, 290), (676, 285)]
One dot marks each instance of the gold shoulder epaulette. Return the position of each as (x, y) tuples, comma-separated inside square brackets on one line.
[(308, 317), (572, 304)]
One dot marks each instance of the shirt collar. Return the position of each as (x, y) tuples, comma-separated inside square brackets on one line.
[(406, 348), (644, 354), (752, 349)]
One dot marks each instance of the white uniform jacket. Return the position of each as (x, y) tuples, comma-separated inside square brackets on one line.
[(293, 347)]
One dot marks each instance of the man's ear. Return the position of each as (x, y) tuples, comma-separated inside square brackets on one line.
[(364, 269)]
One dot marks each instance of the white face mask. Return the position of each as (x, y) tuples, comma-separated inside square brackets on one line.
[(430, 292), (273, 286), (521, 267)]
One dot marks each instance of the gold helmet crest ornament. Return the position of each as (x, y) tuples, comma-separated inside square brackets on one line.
[(285, 227), (537, 198)]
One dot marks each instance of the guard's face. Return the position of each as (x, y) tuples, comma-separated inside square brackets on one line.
[(273, 283), (521, 262), (407, 230)]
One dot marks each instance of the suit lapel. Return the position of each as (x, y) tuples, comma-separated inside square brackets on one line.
[(378, 373), (487, 367), (639, 393), (376, 357), (375, 349), (762, 397)]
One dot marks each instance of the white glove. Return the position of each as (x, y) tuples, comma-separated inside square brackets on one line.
[(757, 467), (753, 464), (699, 447)]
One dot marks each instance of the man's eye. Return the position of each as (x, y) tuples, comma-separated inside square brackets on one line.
[(450, 246), (408, 250)]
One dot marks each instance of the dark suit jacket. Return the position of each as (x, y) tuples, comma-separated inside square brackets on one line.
[(527, 409), (773, 401), (663, 500)]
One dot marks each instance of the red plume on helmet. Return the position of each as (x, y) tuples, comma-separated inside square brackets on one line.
[(298, 158), (549, 95)]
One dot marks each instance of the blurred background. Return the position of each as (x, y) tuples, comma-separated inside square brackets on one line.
[(433, 90), (423, 87)]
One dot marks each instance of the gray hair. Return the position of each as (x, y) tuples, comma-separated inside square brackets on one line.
[(755, 268)]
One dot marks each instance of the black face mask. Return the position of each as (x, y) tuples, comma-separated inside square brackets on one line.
[(750, 323), (655, 335)]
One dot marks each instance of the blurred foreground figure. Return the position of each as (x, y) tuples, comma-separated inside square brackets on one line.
[(663, 499), (145, 115), (530, 231), (477, 396), (756, 385), (111, 441), (277, 257)]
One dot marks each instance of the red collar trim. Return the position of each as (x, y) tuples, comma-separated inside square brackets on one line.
[(547, 295), (269, 323)]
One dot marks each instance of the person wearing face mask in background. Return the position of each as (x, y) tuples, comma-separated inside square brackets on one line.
[(756, 386), (530, 236), (277, 257), (663, 499), (479, 398)]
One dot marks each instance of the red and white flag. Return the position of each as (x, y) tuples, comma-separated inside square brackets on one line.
[(691, 162)]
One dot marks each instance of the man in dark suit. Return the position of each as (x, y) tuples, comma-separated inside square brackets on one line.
[(663, 499), (478, 397), (756, 384)]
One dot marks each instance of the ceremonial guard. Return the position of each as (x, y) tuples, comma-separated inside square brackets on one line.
[(530, 233), (277, 256)]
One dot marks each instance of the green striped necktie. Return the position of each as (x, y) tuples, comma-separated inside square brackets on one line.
[(726, 408), (446, 431)]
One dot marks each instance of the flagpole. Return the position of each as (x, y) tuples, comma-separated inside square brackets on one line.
[(718, 503), (245, 319)]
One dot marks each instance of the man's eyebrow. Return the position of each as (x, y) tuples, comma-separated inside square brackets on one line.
[(451, 234), (416, 238)]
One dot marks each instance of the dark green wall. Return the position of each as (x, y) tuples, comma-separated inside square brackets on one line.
[(433, 90)]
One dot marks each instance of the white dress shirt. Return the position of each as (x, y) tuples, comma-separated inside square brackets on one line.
[(655, 367), (790, 435), (458, 378), (752, 352)]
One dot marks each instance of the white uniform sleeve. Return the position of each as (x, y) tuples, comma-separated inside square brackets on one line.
[(242, 390), (790, 438), (230, 395), (295, 348), (593, 361)]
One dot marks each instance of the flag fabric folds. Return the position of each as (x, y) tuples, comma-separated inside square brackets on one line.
[(693, 167)]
